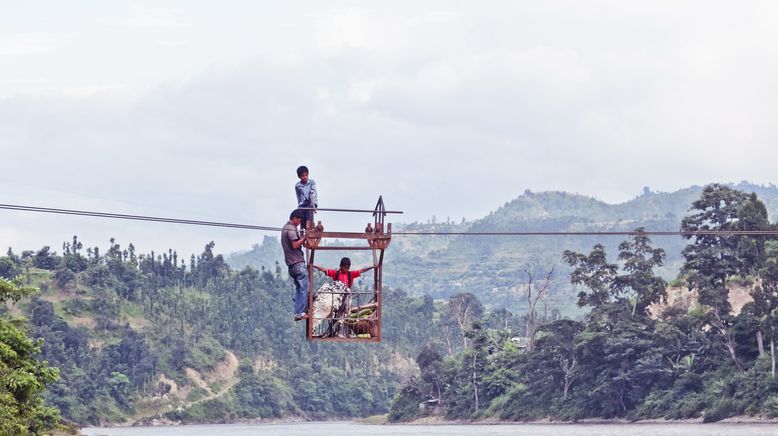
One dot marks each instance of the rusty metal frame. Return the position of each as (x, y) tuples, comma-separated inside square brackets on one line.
[(378, 238)]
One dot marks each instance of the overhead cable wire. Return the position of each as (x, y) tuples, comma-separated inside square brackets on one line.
[(399, 233), (325, 209), (602, 233), (135, 217)]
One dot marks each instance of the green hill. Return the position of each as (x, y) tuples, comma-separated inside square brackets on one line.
[(139, 337), (143, 337), (492, 267)]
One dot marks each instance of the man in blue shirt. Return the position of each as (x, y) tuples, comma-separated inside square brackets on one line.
[(306, 193)]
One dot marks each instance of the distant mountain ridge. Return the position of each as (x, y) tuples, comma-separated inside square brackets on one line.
[(492, 267), (645, 207)]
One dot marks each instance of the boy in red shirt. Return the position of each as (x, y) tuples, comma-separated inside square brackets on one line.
[(343, 274)]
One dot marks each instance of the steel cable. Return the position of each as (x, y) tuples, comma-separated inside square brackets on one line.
[(135, 217), (400, 233)]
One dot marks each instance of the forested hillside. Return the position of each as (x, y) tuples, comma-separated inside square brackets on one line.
[(493, 267), (140, 336), (631, 355)]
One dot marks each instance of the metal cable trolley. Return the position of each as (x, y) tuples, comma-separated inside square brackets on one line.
[(339, 314)]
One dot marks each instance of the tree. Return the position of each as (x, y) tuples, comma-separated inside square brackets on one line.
[(431, 365), (466, 375), (64, 276), (405, 405), (460, 312), (477, 360), (620, 362), (766, 308), (594, 272), (557, 353), (45, 259), (22, 377), (640, 259), (711, 259), (120, 386), (9, 266), (614, 356), (532, 301)]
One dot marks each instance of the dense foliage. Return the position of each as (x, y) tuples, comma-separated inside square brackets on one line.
[(137, 336), (22, 376), (621, 360), (151, 336)]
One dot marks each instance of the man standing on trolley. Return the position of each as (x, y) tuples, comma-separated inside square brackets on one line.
[(305, 190), (292, 242)]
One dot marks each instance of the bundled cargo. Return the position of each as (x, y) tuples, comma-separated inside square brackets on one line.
[(362, 321)]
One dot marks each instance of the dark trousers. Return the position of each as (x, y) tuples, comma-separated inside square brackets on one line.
[(307, 214)]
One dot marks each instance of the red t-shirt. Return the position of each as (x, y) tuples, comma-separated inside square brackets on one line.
[(337, 274)]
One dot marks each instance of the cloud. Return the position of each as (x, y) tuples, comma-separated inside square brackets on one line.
[(20, 44), (445, 109), (154, 17)]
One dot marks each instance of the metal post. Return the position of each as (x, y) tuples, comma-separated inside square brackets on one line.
[(309, 266), (379, 298), (310, 253)]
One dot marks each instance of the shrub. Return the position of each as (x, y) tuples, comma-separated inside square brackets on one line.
[(405, 406), (770, 406), (75, 307), (722, 409), (205, 354), (63, 276)]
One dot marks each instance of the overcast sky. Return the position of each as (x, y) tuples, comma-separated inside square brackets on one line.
[(203, 110)]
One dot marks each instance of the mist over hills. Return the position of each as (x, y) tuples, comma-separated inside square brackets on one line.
[(493, 267)]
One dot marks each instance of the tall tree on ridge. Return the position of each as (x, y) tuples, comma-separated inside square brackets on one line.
[(711, 259), (640, 259)]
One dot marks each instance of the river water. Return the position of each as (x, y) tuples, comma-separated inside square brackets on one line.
[(352, 429)]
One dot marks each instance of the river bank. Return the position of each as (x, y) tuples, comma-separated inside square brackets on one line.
[(439, 420), (449, 429)]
